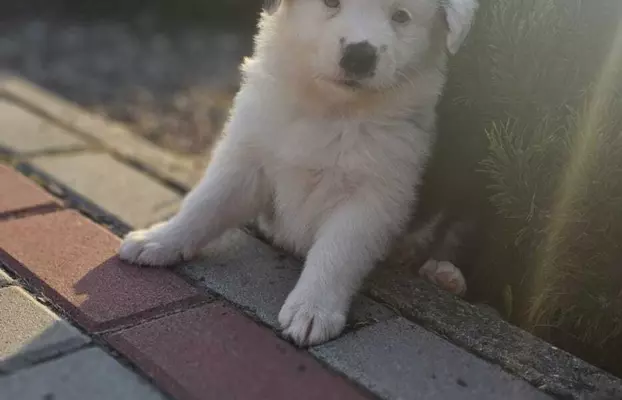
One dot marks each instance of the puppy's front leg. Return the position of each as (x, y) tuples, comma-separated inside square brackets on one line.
[(353, 238), (228, 195)]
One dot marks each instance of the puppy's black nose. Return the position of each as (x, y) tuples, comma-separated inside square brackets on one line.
[(359, 60)]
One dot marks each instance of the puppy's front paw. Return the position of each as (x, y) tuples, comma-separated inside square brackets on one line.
[(154, 247), (445, 275), (307, 321)]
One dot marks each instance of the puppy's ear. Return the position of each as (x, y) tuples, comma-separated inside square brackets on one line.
[(459, 15)]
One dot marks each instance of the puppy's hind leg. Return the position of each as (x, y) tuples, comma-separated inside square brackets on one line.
[(445, 275), (438, 269), (229, 194)]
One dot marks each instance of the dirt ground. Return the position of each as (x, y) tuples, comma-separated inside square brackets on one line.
[(172, 86)]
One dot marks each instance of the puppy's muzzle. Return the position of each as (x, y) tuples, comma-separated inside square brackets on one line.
[(359, 60)]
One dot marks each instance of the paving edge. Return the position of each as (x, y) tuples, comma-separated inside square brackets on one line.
[(485, 334), (46, 298), (74, 200), (488, 336), (55, 336), (175, 169)]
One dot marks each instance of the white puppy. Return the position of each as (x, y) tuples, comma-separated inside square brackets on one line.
[(325, 145)]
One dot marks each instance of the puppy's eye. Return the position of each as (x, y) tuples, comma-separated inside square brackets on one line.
[(401, 16), (332, 3)]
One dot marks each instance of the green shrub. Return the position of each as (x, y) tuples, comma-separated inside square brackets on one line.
[(536, 96)]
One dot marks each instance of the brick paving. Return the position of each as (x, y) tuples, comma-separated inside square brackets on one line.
[(88, 374), (86, 174), (30, 133), (5, 279), (72, 261), (191, 347), (30, 332), (437, 370), (251, 274), (79, 323), (20, 195), (244, 360)]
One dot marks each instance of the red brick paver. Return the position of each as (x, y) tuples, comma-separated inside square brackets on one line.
[(194, 351), (214, 352), (18, 194), (72, 260)]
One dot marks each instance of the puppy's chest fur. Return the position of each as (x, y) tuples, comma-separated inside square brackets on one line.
[(314, 165)]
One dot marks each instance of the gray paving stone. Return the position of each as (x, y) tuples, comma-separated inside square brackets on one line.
[(255, 276), (5, 279), (397, 359), (25, 132), (482, 332), (29, 332), (87, 374), (115, 137), (132, 196)]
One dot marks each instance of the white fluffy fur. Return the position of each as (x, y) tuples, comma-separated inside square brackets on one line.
[(329, 170)]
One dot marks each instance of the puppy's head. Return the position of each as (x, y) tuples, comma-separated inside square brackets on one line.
[(359, 45)]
